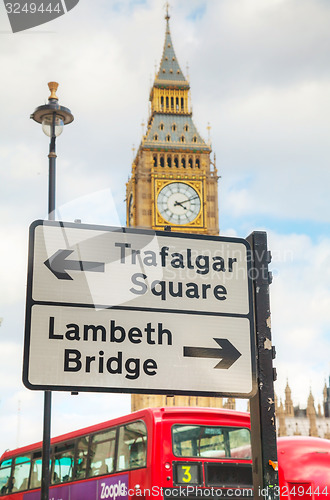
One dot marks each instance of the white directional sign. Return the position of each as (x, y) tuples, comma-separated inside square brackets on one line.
[(128, 310)]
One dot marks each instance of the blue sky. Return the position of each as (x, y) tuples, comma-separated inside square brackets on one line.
[(259, 75)]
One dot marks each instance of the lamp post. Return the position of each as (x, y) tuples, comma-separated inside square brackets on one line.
[(53, 117)]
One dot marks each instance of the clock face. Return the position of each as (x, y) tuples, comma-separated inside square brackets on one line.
[(179, 203)]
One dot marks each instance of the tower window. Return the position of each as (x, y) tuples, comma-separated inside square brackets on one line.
[(178, 71), (171, 71), (164, 71), (161, 126), (169, 45), (168, 138), (167, 104), (194, 139), (182, 103), (156, 137), (186, 128), (155, 160), (197, 163), (166, 58), (177, 103), (169, 161), (173, 58), (162, 161), (172, 101), (182, 138), (183, 162), (174, 127), (176, 162), (190, 162), (162, 102)]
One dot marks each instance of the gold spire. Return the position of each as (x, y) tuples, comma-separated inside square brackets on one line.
[(209, 132), (289, 411), (167, 6), (325, 392)]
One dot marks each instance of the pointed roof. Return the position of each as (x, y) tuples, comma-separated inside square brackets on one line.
[(169, 73), (287, 389), (175, 132)]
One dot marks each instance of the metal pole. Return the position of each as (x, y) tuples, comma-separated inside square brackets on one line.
[(45, 479), (45, 476), (52, 173), (262, 405)]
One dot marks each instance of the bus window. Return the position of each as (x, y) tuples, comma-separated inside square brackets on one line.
[(21, 473), (5, 473), (63, 463), (132, 446), (103, 453), (211, 442), (36, 466), (240, 443), (81, 458)]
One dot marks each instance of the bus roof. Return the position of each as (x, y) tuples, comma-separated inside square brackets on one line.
[(304, 459), (154, 414)]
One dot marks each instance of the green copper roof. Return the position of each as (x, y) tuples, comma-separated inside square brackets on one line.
[(174, 132), (169, 71)]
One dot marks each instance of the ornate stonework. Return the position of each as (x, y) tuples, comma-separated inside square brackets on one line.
[(296, 421)]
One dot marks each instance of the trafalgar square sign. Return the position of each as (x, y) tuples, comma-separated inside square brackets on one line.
[(138, 311)]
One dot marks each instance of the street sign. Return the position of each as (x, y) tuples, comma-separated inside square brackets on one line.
[(129, 310)]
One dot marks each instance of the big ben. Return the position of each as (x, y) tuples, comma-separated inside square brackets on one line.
[(174, 183)]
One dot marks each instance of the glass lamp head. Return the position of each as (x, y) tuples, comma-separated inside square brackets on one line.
[(47, 123)]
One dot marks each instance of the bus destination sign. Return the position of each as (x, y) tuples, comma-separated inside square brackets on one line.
[(138, 311)]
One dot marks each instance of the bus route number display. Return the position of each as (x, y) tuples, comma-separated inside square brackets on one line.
[(187, 473)]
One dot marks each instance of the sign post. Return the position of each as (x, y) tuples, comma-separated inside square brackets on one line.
[(111, 309), (262, 404)]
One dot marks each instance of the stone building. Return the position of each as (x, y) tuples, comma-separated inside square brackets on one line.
[(309, 421)]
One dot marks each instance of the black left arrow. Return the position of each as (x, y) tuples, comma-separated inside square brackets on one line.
[(228, 353), (58, 265)]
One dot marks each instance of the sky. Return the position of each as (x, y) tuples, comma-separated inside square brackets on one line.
[(260, 76)]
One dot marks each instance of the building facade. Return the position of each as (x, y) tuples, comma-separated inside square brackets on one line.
[(310, 421)]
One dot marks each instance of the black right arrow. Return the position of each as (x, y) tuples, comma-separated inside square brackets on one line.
[(228, 353)]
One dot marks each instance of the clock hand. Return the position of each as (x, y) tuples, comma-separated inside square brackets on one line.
[(176, 203), (189, 199)]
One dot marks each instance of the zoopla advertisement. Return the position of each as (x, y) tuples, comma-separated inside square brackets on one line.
[(110, 488)]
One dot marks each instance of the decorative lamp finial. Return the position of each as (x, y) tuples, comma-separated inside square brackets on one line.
[(53, 86)]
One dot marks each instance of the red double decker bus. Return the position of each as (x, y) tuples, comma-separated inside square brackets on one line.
[(156, 452), (164, 453), (304, 468)]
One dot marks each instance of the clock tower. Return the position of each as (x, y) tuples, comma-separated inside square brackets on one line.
[(173, 181)]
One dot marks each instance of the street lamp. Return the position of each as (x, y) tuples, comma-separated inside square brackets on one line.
[(53, 117)]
